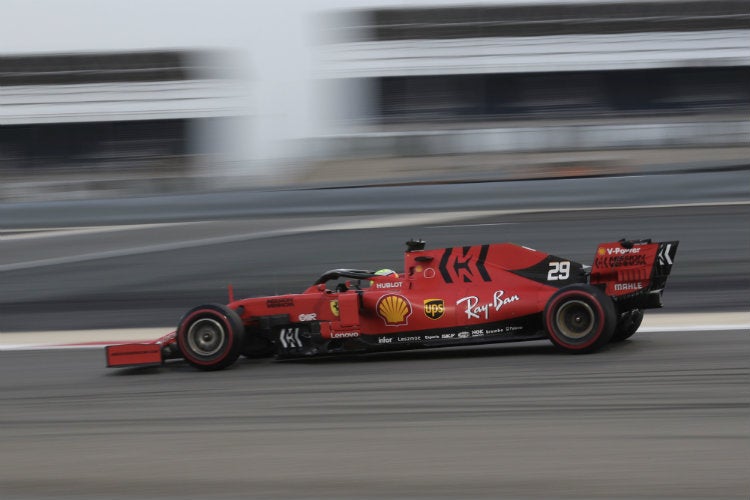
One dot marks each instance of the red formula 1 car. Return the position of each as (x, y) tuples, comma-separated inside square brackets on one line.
[(446, 297)]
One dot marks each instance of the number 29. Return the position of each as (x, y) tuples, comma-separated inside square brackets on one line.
[(558, 271)]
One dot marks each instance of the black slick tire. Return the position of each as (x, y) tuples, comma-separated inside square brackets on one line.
[(210, 337), (580, 319)]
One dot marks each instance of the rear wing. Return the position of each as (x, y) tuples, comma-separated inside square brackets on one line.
[(634, 272)]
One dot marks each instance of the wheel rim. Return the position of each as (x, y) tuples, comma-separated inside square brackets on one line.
[(205, 337), (575, 319)]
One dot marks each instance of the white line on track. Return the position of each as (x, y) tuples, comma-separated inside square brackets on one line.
[(473, 225), (52, 232), (359, 223), (694, 328), (653, 323)]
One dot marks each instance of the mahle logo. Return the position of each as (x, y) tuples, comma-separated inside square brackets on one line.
[(434, 308)]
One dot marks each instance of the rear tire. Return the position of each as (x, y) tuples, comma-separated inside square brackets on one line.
[(210, 336), (628, 325), (580, 319)]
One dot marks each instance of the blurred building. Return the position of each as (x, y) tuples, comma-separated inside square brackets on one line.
[(164, 93), (127, 113), (535, 76)]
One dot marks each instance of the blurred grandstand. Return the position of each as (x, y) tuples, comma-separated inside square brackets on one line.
[(116, 123), (442, 87)]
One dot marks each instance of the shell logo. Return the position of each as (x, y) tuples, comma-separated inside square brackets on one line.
[(601, 251), (393, 309)]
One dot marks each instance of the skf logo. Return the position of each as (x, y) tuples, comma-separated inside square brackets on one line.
[(335, 307), (434, 308), (393, 309)]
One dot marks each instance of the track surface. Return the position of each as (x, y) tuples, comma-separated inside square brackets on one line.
[(659, 416), (664, 415), (152, 274), (541, 194)]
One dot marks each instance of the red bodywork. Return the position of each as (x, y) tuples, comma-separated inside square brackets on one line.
[(449, 296), (138, 354)]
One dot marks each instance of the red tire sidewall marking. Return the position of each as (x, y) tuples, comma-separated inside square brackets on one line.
[(184, 326), (590, 300)]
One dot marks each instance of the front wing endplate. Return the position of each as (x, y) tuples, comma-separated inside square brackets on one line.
[(133, 355)]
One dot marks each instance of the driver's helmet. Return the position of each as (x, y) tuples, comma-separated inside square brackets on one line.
[(385, 272)]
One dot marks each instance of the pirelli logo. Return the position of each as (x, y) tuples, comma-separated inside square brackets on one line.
[(434, 308)]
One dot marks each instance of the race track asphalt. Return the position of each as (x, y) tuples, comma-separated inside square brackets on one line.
[(148, 276), (663, 415), (658, 416)]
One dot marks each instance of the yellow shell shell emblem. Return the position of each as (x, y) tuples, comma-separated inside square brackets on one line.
[(393, 309)]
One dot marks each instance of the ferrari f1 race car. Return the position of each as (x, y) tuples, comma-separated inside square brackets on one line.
[(445, 297)]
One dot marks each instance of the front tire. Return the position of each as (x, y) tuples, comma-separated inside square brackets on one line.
[(580, 319), (210, 337)]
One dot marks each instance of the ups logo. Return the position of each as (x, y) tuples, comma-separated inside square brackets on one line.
[(434, 308)]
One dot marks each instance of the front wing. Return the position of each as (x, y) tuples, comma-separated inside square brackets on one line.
[(139, 354)]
